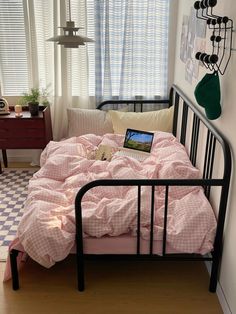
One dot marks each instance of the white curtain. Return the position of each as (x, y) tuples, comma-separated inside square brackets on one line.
[(64, 72), (131, 41)]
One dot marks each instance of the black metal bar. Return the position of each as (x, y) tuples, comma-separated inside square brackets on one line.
[(165, 222), (171, 96), (193, 137), (209, 156), (211, 163), (152, 220), (156, 257), (139, 219), (206, 155), (184, 123), (14, 270), (141, 106), (196, 142), (149, 182), (218, 243), (176, 113), (79, 244), (132, 102)]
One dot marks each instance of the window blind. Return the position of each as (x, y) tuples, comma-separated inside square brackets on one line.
[(13, 55)]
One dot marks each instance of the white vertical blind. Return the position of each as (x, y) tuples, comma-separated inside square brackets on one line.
[(14, 69), (42, 30)]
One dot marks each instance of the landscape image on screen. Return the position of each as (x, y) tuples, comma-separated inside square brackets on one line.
[(138, 140)]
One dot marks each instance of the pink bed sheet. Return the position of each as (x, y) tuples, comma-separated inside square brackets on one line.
[(47, 229)]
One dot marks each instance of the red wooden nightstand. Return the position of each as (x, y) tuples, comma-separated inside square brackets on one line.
[(25, 132)]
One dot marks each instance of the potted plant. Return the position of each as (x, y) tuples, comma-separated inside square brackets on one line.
[(33, 98)]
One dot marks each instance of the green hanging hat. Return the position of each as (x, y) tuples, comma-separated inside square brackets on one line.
[(207, 94)]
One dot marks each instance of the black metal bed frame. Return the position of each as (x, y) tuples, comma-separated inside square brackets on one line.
[(177, 98)]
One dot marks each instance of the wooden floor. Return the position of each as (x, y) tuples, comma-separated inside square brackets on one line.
[(111, 287)]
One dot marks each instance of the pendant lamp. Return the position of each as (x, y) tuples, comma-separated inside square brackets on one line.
[(70, 38)]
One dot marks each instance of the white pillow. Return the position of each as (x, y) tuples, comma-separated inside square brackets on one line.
[(160, 120), (86, 121)]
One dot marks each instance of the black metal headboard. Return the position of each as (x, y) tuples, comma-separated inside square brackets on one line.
[(181, 124)]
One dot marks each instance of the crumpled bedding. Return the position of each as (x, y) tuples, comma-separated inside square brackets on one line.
[(47, 228)]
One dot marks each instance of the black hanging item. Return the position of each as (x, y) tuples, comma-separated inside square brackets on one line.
[(221, 38)]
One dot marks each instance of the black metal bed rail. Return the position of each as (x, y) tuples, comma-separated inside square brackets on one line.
[(213, 133), (135, 103), (139, 183)]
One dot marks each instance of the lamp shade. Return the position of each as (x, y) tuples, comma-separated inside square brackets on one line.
[(70, 38)]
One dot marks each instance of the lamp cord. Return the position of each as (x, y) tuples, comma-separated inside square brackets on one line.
[(69, 11)]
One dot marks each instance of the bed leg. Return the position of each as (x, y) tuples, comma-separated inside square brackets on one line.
[(14, 270), (80, 273), (214, 275)]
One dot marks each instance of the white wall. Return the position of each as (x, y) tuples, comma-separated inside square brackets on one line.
[(227, 125)]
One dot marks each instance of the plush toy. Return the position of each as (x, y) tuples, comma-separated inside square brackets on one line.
[(103, 152)]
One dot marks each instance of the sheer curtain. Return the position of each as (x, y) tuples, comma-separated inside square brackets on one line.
[(28, 60), (131, 41), (63, 71)]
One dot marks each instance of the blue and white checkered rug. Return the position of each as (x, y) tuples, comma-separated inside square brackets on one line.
[(13, 193)]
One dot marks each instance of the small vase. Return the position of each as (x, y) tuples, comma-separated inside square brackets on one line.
[(33, 108)]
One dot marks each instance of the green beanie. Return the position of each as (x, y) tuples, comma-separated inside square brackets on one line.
[(207, 94)]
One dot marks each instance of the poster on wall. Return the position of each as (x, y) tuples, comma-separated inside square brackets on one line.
[(183, 42), (192, 40)]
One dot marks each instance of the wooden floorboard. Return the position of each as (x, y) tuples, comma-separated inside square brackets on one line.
[(111, 287)]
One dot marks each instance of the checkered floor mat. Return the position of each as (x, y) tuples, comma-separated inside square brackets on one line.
[(13, 193)]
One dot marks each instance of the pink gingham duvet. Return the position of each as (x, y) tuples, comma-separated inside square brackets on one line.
[(47, 228)]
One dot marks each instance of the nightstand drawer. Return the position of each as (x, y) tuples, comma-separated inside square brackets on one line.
[(22, 133), (19, 123), (21, 143)]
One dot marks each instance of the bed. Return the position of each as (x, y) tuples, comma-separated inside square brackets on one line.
[(130, 209)]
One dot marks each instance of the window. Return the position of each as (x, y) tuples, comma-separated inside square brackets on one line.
[(13, 56), (129, 57)]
